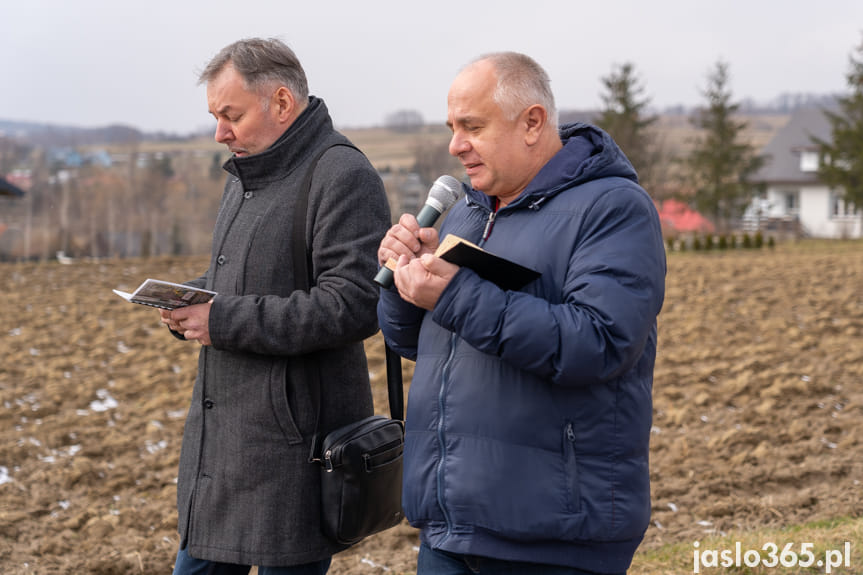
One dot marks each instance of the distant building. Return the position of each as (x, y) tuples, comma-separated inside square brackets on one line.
[(405, 193), (794, 197), (411, 194), (9, 189)]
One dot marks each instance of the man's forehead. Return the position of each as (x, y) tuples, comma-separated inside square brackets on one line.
[(470, 104), (227, 84), (474, 84)]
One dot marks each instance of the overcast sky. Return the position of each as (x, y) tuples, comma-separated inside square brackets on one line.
[(99, 62)]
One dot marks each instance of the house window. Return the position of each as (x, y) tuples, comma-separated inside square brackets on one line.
[(792, 201), (840, 208), (808, 161)]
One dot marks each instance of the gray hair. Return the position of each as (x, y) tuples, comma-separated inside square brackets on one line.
[(521, 83), (262, 63)]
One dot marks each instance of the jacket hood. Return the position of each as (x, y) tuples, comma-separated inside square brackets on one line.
[(588, 154)]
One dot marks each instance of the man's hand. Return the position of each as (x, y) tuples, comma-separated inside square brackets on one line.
[(421, 280), (406, 238), (192, 321)]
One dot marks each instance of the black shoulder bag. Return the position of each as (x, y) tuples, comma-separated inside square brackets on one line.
[(361, 463)]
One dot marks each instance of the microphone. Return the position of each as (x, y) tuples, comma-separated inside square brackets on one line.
[(443, 194)]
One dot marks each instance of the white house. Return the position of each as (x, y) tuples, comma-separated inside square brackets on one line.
[(792, 190)]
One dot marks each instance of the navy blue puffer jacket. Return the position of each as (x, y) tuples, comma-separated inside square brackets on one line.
[(529, 412)]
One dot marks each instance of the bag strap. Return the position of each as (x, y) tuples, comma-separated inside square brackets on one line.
[(395, 386), (302, 257), (302, 280)]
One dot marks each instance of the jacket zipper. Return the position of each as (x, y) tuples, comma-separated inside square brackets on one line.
[(571, 465), (488, 225), (441, 403), (440, 434)]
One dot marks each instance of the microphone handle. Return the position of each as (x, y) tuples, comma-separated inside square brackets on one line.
[(385, 277), (426, 218)]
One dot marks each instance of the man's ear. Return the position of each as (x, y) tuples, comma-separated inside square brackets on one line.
[(285, 104), (535, 119)]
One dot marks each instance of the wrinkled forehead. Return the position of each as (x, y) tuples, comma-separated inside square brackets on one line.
[(228, 90)]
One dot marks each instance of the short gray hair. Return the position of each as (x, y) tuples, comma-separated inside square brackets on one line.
[(261, 63), (521, 83)]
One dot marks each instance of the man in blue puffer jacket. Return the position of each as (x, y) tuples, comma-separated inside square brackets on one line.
[(529, 411)]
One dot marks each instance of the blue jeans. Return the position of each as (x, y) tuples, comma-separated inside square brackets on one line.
[(188, 565), (435, 562)]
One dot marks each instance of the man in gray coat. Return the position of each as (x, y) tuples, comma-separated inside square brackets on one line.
[(247, 493)]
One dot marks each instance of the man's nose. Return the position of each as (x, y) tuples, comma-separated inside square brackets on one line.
[(223, 132), (458, 145)]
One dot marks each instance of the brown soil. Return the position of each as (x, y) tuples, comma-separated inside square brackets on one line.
[(757, 409)]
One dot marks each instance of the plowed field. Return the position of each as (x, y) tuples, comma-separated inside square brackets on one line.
[(758, 408)]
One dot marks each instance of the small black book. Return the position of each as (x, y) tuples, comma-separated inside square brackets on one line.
[(505, 273)]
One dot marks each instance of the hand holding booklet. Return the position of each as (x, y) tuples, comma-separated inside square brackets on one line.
[(166, 295), (507, 274)]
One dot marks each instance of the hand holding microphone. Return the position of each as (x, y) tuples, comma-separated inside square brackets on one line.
[(443, 194)]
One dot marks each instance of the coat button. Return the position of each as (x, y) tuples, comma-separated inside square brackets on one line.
[(221, 259), (209, 403)]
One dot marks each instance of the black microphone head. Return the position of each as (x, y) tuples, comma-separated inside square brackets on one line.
[(444, 193)]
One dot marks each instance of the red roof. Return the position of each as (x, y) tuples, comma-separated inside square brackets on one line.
[(680, 217)]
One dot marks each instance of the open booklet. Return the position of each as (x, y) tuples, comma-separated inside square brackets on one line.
[(166, 295), (507, 274)]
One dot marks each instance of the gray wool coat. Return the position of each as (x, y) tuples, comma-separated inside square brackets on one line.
[(247, 492)]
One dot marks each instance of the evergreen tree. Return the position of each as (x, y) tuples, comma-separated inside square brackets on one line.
[(842, 159), (625, 117), (720, 163)]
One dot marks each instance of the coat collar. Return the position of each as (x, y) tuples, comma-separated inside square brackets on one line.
[(288, 152)]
